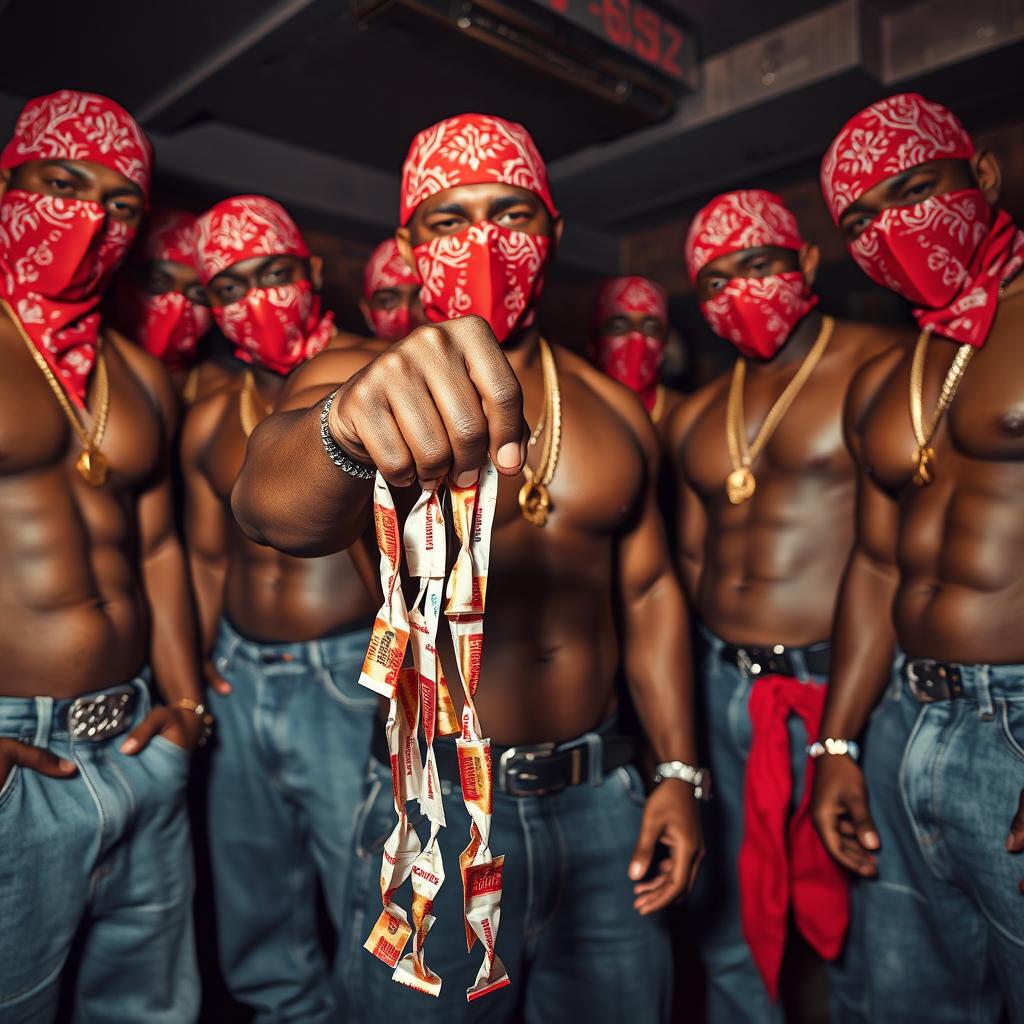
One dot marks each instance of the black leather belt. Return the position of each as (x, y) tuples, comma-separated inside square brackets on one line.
[(929, 681), (536, 769), (777, 660)]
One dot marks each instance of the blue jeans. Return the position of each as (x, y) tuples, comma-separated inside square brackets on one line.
[(286, 779), (99, 863), (573, 945), (736, 992), (944, 919)]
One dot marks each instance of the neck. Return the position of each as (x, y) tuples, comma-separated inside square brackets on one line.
[(270, 384), (795, 348), (522, 349)]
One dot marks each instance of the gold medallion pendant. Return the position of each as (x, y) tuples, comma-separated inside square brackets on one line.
[(740, 485), (93, 468), (534, 503)]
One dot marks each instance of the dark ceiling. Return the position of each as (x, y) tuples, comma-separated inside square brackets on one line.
[(302, 99)]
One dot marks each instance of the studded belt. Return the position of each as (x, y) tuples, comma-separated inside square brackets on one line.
[(778, 660), (101, 716), (930, 681)]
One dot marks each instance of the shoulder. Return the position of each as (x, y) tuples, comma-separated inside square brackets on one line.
[(623, 402), (324, 372), (151, 374), (203, 419), (868, 383), (690, 408), (865, 341)]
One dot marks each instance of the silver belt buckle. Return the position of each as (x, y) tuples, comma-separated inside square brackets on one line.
[(508, 772), (98, 718)]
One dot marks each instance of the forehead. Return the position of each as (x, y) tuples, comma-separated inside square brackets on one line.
[(171, 267), (106, 177), (481, 194)]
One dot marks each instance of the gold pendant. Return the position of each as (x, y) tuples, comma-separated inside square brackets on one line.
[(93, 467), (534, 503), (740, 485), (923, 473)]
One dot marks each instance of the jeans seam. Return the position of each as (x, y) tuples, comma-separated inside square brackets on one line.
[(529, 930), (923, 848)]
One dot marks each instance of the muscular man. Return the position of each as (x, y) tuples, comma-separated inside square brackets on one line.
[(286, 637), (159, 303), (93, 826), (937, 575), (391, 294), (766, 522), (630, 328), (580, 928)]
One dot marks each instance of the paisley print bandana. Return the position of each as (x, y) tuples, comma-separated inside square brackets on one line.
[(620, 295), (950, 254), (472, 149), (386, 269), (734, 221)]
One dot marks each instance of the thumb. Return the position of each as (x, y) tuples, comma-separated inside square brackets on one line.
[(1015, 840), (143, 732), (640, 862), (860, 816), (215, 680)]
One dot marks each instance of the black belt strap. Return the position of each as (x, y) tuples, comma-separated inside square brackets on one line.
[(778, 660), (533, 769)]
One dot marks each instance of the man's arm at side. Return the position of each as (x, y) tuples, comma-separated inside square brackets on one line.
[(174, 647), (863, 640), (658, 663)]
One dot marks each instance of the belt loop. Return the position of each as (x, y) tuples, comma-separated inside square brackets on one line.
[(986, 710), (316, 654), (799, 663), (595, 752), (44, 721)]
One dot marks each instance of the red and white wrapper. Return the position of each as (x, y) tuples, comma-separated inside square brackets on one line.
[(419, 695)]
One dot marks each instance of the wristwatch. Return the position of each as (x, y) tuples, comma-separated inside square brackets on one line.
[(699, 778), (836, 747)]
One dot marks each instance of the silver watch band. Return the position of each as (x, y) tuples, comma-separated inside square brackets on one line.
[(699, 778), (335, 452)]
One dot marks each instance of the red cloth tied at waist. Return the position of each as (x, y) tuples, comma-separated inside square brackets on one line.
[(784, 865)]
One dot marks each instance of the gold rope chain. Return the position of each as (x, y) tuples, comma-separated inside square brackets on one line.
[(91, 464), (740, 484), (924, 458), (247, 412), (534, 499)]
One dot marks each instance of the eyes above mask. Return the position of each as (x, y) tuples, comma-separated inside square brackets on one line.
[(488, 270), (758, 314)]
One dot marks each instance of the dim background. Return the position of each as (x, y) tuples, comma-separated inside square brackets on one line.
[(644, 111)]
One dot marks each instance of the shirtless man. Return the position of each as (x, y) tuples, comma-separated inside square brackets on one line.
[(93, 825), (765, 529), (630, 328), (286, 637), (580, 929), (159, 304), (391, 294), (937, 576)]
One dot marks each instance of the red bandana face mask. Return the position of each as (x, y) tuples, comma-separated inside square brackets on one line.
[(276, 327), (385, 270), (167, 326), (487, 270), (758, 314), (634, 360), (58, 256), (391, 324)]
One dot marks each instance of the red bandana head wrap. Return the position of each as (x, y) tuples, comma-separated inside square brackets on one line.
[(275, 327), (386, 269), (168, 325), (948, 254), (489, 270), (634, 358), (57, 256), (757, 314)]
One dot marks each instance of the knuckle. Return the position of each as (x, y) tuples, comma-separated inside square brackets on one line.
[(469, 433), (507, 396)]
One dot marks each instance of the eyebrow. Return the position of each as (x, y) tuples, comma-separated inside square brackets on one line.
[(131, 189)]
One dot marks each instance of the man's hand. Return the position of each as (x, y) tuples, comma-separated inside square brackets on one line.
[(14, 752), (435, 405), (839, 807), (183, 728), (214, 680), (670, 818), (1015, 840)]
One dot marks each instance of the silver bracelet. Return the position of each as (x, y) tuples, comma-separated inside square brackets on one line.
[(836, 747), (699, 778), (335, 452)]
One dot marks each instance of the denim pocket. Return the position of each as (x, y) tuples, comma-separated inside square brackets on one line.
[(1011, 719), (372, 826), (632, 784), (9, 784), (344, 687)]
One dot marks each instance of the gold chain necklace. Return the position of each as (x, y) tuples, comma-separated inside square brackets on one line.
[(740, 483), (91, 464), (659, 403), (247, 412), (924, 457), (534, 499)]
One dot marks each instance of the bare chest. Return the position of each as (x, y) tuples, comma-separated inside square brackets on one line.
[(222, 461)]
